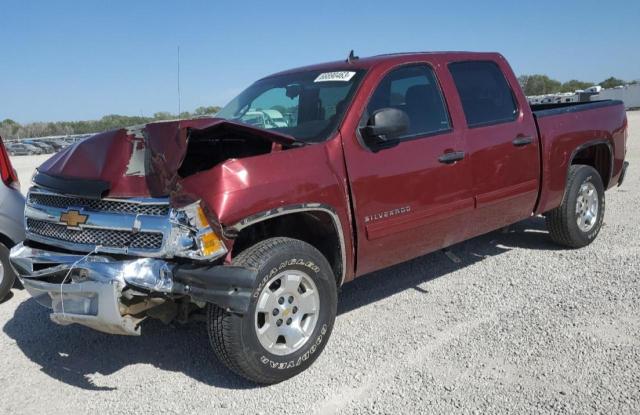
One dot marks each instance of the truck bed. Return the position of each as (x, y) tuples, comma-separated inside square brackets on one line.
[(564, 129), (543, 110)]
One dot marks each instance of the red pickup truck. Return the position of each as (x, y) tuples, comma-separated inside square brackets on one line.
[(305, 181)]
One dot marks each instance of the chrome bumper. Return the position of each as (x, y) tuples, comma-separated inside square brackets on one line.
[(89, 289), (112, 295)]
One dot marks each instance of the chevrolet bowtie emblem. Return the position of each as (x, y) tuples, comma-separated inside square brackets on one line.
[(73, 218)]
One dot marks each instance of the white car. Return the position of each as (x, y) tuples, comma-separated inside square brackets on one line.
[(276, 118), (265, 118)]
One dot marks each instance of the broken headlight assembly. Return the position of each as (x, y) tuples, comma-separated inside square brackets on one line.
[(192, 235)]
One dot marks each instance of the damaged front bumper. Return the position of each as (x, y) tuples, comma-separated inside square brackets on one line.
[(113, 295)]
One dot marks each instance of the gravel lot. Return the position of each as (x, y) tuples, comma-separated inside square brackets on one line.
[(517, 326)]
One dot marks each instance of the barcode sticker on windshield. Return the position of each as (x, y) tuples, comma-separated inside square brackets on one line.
[(343, 76)]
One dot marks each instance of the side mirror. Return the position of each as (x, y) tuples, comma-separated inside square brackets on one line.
[(384, 128)]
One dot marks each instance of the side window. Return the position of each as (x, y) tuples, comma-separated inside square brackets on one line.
[(484, 91), (414, 90)]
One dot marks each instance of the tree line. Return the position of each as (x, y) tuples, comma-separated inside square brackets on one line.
[(10, 129), (542, 84)]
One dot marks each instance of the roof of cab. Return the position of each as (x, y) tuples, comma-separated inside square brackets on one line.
[(371, 61)]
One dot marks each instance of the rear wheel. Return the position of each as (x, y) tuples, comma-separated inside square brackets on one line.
[(291, 314), (577, 221), (7, 277)]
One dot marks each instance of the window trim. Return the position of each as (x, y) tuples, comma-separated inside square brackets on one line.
[(418, 136), (516, 113)]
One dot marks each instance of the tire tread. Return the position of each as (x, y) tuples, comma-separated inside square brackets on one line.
[(557, 220), (222, 325)]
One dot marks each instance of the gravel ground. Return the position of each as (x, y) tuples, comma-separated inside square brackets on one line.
[(517, 326)]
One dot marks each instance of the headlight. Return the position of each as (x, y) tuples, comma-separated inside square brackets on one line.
[(192, 235)]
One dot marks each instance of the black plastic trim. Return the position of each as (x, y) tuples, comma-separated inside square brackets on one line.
[(591, 144), (546, 110), (492, 123), (228, 287), (93, 189), (625, 165)]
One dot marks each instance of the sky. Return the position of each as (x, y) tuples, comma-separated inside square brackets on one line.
[(64, 60)]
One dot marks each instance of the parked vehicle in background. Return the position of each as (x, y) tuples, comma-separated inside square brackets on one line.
[(255, 225), (45, 147), (77, 138), (42, 145), (17, 149), (276, 118), (11, 219), (34, 149), (264, 118), (56, 143), (22, 149)]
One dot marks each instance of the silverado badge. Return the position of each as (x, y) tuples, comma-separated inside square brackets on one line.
[(73, 218)]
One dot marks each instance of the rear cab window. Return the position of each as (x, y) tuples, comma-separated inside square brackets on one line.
[(486, 96)]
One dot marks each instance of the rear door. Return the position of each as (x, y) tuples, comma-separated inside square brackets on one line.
[(501, 139), (406, 200)]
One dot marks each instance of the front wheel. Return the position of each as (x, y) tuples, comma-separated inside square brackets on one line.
[(577, 221), (290, 317)]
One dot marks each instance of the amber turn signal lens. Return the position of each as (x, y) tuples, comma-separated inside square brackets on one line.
[(201, 218), (210, 243)]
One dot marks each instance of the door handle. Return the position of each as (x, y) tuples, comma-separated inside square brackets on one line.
[(522, 141), (451, 157)]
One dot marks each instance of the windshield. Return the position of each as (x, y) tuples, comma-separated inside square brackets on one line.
[(305, 105)]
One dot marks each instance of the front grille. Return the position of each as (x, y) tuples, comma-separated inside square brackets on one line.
[(98, 205), (90, 236)]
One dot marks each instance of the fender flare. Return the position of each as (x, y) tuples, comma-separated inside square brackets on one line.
[(233, 230), (592, 143)]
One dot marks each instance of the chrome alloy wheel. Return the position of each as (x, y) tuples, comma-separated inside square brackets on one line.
[(587, 207), (287, 312)]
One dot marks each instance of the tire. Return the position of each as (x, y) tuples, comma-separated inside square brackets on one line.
[(7, 276), (563, 221), (280, 263)]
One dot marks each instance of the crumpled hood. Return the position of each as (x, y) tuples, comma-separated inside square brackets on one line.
[(140, 161)]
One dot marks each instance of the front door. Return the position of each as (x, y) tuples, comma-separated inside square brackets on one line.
[(412, 198)]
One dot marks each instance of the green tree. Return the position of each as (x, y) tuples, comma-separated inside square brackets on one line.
[(612, 82), (572, 85), (206, 110), (539, 84), (163, 115), (8, 121), (12, 129), (8, 128)]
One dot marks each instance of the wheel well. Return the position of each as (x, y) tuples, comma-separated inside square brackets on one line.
[(6, 241), (597, 156), (316, 228)]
